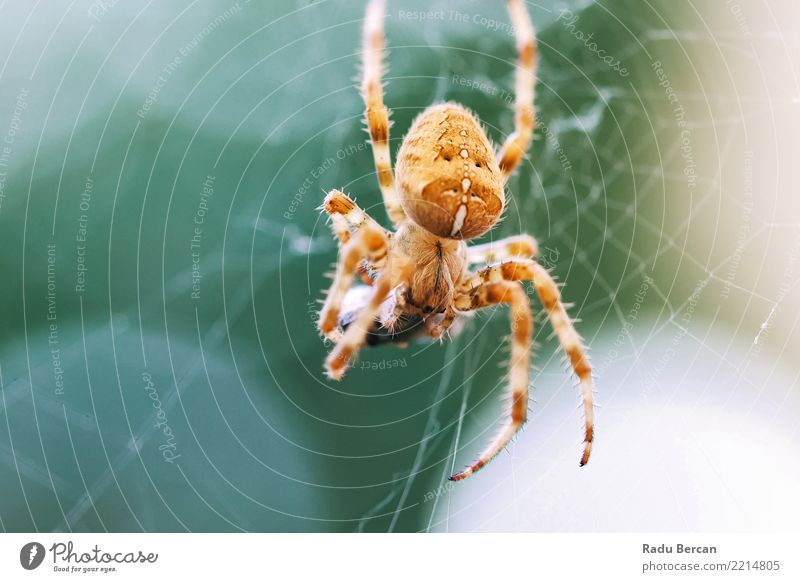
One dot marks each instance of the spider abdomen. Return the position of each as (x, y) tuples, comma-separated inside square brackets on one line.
[(448, 178)]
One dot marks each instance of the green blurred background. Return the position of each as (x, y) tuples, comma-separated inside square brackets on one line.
[(163, 256)]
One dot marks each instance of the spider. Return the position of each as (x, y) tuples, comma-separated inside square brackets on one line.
[(447, 188)]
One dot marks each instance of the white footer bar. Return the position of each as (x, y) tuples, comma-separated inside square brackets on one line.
[(400, 557)]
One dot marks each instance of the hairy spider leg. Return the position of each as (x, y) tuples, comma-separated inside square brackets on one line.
[(515, 270), (367, 243), (376, 113), (512, 293), (346, 219), (521, 245), (516, 144)]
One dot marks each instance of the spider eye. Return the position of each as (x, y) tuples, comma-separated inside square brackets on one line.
[(447, 158)]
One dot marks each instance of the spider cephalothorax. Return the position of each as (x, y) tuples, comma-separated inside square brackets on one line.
[(449, 189)]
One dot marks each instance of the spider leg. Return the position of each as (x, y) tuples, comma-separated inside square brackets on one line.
[(347, 218), (516, 144), (513, 269), (367, 243), (571, 342), (376, 113), (522, 245), (356, 334), (436, 329), (529, 270), (513, 293)]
